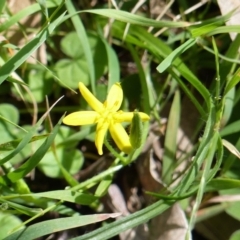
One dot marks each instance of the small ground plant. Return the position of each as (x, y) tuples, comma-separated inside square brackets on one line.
[(119, 119)]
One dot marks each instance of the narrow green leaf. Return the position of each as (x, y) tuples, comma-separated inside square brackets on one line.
[(194, 81), (48, 227), (188, 91), (103, 186), (77, 137), (2, 4), (25, 52), (174, 54), (43, 6), (231, 128), (26, 12), (145, 89), (203, 30), (32, 162), (82, 35), (233, 81), (229, 102), (232, 53), (218, 160), (204, 178), (8, 146), (21, 209), (13, 80), (65, 195), (131, 221), (113, 64), (217, 86), (7, 120), (136, 131), (160, 50), (218, 184), (135, 19), (201, 153), (27, 138), (170, 144), (94, 180), (225, 29)]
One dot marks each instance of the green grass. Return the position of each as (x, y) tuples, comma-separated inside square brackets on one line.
[(186, 79)]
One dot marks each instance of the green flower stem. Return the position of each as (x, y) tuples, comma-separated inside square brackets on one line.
[(217, 96), (20, 185), (37, 215), (114, 152), (92, 181), (125, 161)]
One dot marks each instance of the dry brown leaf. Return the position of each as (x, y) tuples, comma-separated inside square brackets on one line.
[(117, 204), (171, 224), (117, 201), (224, 198), (16, 36), (226, 7), (231, 148)]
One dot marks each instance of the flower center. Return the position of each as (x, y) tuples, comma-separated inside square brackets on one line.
[(106, 115)]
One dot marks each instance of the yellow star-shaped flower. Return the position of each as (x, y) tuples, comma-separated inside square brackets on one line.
[(107, 116)]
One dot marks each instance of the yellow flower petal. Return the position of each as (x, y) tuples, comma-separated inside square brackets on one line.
[(106, 117), (81, 118), (102, 128), (121, 116), (94, 103), (114, 98), (120, 137)]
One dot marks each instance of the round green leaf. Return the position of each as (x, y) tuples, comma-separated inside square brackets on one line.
[(8, 222), (235, 235), (9, 112), (8, 130), (71, 45), (70, 158), (71, 72), (76, 69), (73, 48), (234, 208), (39, 84)]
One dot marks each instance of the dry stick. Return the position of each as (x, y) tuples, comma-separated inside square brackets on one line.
[(107, 28), (26, 88), (189, 10), (136, 7), (162, 13)]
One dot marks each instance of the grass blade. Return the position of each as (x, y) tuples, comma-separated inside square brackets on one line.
[(135, 19), (174, 54), (32, 162), (82, 35), (170, 144), (43, 228), (113, 64), (24, 53), (128, 222), (26, 12)]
